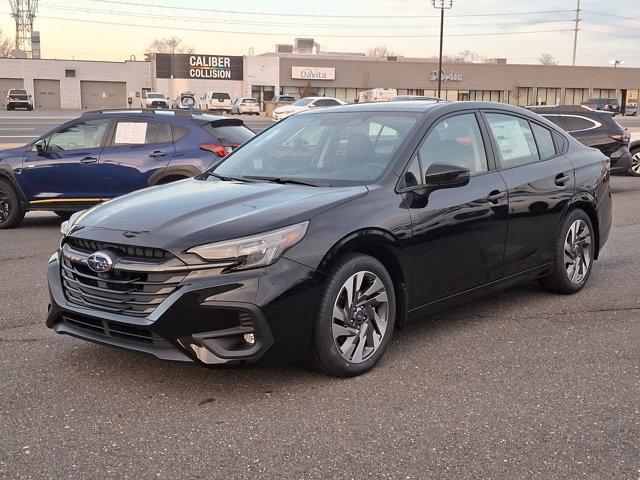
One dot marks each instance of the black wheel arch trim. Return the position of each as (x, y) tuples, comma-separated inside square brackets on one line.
[(182, 170), (6, 172)]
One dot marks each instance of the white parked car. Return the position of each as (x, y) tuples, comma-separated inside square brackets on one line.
[(245, 105), (303, 104), (216, 101), (634, 147), (184, 101), (155, 100), (377, 95)]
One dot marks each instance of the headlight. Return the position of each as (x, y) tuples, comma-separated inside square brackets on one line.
[(67, 225), (254, 251)]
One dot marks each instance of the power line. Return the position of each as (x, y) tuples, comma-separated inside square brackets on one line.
[(240, 12), (278, 24), (231, 32)]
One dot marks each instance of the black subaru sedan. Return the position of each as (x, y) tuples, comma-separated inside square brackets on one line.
[(329, 230)]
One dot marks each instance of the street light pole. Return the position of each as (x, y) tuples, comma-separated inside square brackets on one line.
[(442, 5)]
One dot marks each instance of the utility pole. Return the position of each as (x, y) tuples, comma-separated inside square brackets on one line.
[(575, 34), (442, 5)]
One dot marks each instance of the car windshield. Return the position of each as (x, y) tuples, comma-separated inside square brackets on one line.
[(323, 149), (18, 92), (249, 100), (155, 95), (303, 102)]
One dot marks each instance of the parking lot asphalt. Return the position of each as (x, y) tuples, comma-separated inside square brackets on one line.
[(522, 384)]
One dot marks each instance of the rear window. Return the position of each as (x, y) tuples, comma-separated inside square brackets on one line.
[(220, 96), (249, 100), (286, 98), (230, 135), (575, 123), (18, 92)]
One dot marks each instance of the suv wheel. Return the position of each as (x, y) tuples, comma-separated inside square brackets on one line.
[(11, 210), (356, 317), (635, 163), (574, 250)]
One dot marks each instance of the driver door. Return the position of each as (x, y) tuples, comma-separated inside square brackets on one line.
[(66, 169)]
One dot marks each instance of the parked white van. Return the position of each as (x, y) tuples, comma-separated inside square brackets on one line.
[(216, 101)]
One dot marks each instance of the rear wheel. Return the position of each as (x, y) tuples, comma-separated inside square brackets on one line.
[(574, 252), (634, 171), (11, 209), (356, 317)]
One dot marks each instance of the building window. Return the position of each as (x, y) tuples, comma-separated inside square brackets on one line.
[(450, 95), (521, 96), (575, 96), (463, 95), (69, 73), (604, 93), (484, 95), (341, 93), (548, 96)]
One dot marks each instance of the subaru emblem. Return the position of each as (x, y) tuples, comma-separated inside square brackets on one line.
[(100, 262)]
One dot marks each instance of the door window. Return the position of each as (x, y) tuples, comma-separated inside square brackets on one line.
[(141, 133), (544, 140), (79, 136), (457, 141), (514, 139), (576, 123)]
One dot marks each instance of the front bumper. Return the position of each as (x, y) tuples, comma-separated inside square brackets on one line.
[(205, 319)]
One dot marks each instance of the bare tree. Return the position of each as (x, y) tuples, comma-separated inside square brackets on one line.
[(465, 56), (167, 45), (381, 51), (308, 91), (366, 95), (546, 59), (5, 46)]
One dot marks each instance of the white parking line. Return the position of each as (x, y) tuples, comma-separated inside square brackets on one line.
[(17, 128), (17, 136)]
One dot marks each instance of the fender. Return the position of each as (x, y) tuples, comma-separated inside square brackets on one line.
[(7, 173), (384, 246), (182, 170)]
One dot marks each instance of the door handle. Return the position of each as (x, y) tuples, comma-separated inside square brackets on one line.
[(157, 153), (495, 196), (561, 179), (87, 160)]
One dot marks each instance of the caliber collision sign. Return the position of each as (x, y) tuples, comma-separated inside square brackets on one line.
[(214, 67)]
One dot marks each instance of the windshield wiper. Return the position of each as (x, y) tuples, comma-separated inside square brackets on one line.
[(225, 178), (282, 180)]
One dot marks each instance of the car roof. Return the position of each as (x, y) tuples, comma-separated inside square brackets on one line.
[(564, 110), (158, 113)]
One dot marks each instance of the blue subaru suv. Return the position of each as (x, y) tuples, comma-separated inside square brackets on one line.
[(106, 153)]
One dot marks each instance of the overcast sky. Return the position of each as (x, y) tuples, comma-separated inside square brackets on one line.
[(520, 30)]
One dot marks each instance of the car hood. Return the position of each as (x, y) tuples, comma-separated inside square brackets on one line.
[(289, 108), (192, 212)]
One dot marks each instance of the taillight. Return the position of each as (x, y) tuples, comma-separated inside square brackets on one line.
[(621, 137), (219, 150)]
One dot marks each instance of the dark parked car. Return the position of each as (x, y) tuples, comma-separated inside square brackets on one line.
[(610, 105), (415, 98), (328, 230), (593, 129), (105, 154), (18, 98)]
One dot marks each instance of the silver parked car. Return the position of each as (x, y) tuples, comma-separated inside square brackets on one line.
[(245, 105)]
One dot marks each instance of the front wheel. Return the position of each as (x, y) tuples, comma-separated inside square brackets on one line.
[(574, 250), (356, 317), (634, 171), (11, 209)]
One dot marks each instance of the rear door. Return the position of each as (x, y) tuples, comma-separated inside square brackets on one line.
[(68, 168), (540, 182), (137, 149)]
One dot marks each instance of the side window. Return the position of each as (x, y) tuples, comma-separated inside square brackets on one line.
[(544, 140), (455, 140), (514, 139), (158, 132), (82, 135), (575, 124), (556, 119), (179, 132)]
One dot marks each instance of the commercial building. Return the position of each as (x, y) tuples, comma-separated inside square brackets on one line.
[(88, 84)]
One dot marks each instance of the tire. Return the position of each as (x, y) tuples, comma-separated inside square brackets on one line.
[(634, 171), (11, 209), (573, 254), (64, 215), (361, 333)]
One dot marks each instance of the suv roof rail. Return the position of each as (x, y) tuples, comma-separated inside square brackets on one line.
[(155, 111)]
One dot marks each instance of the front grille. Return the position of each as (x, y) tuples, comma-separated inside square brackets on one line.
[(116, 330), (158, 104), (129, 251), (118, 291)]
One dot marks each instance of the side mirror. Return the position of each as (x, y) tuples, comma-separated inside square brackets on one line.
[(446, 175), (41, 147)]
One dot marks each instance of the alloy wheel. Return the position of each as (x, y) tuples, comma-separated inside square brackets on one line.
[(360, 316), (635, 163), (577, 251), (5, 206)]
